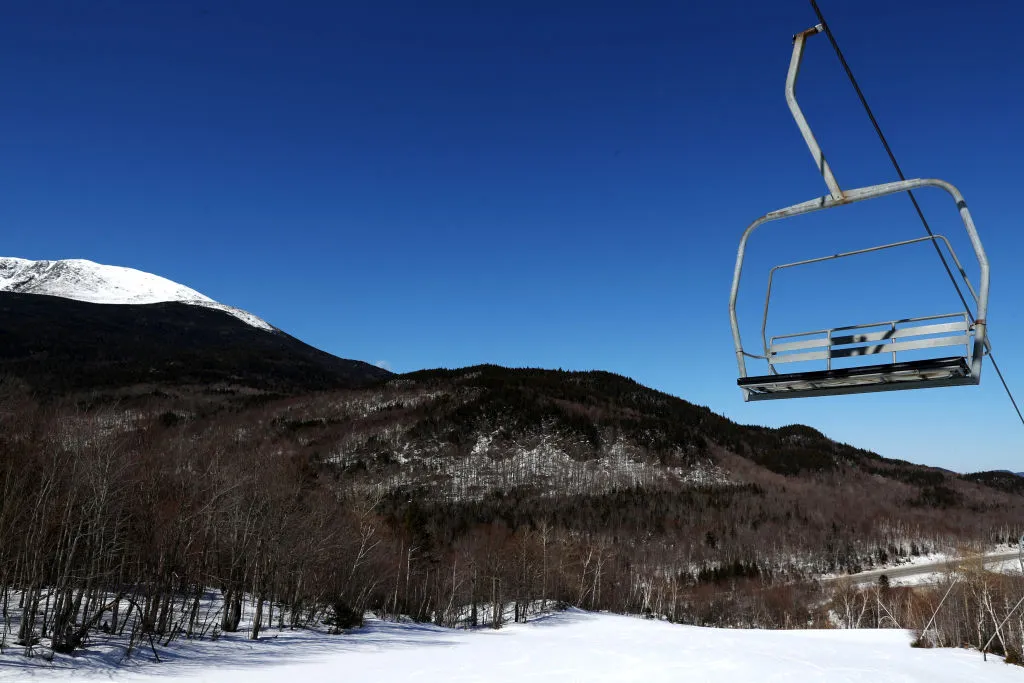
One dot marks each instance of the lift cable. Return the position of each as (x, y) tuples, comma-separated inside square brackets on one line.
[(917, 207)]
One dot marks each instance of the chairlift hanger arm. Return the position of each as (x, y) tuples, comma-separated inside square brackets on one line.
[(799, 40)]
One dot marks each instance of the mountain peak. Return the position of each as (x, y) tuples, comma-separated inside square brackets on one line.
[(84, 280)]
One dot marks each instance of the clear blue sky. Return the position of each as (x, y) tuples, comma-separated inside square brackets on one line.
[(537, 184)]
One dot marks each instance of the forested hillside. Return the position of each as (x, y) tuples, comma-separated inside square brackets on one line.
[(432, 493), (60, 347)]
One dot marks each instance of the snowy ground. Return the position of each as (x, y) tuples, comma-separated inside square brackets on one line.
[(903, 563), (1011, 566), (567, 646), (927, 569)]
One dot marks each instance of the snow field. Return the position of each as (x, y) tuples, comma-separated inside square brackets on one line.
[(84, 280), (562, 647)]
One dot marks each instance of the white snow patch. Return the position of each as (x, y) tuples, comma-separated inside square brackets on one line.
[(1011, 566), (931, 568), (922, 560), (568, 646), (84, 280)]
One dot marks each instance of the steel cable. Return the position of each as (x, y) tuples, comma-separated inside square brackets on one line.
[(913, 199)]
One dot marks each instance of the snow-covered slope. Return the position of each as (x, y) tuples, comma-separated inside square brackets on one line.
[(571, 646), (96, 283)]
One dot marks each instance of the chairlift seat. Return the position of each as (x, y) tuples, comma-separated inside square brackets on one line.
[(910, 334)]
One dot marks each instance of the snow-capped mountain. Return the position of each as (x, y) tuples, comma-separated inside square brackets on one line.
[(84, 280)]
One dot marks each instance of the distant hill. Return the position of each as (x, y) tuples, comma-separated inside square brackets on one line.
[(58, 345), (602, 454), (1004, 480)]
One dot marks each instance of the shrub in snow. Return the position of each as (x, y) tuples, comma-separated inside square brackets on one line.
[(344, 616)]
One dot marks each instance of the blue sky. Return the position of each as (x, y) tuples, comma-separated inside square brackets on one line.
[(536, 184)]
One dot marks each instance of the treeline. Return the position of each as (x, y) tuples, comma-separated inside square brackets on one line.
[(973, 608), (122, 521), (120, 514), (969, 607), (125, 526)]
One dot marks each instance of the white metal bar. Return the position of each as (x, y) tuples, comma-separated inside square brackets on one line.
[(913, 345), (892, 347), (799, 41), (795, 346), (884, 323), (828, 361), (893, 331), (900, 333), (797, 357)]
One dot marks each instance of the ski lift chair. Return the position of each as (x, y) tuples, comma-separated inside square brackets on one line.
[(960, 334)]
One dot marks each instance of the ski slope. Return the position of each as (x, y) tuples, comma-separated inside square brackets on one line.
[(567, 646)]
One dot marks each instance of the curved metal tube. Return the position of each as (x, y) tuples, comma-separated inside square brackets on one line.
[(861, 194), (798, 115)]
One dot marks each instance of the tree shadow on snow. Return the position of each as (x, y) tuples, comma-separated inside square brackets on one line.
[(570, 615), (235, 650)]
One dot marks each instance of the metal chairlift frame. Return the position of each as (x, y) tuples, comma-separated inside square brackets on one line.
[(857, 340)]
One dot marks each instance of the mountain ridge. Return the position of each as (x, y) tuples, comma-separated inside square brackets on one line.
[(61, 346), (84, 280)]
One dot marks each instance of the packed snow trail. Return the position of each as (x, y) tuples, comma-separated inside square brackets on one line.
[(1006, 562), (931, 568), (569, 646)]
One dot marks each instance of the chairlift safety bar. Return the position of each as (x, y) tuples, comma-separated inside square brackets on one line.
[(858, 252)]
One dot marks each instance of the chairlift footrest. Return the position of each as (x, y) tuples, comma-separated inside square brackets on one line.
[(919, 374)]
